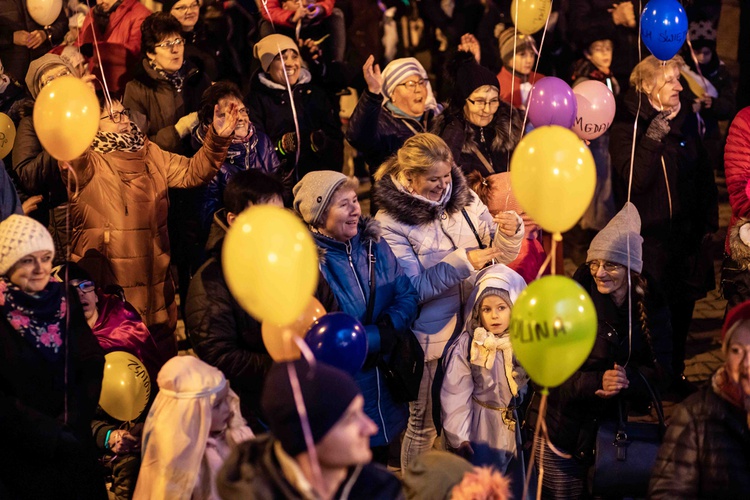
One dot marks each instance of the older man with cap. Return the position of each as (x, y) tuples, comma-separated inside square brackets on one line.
[(706, 450), (320, 141), (280, 465), (397, 104)]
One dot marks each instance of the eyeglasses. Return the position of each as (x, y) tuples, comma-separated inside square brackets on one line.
[(61, 72), (85, 286), (481, 103), (177, 42), (117, 116), (412, 85), (184, 8), (609, 267)]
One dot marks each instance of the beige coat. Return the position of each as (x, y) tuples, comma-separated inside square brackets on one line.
[(119, 216)]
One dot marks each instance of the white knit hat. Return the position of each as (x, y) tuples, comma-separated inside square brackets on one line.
[(20, 236)]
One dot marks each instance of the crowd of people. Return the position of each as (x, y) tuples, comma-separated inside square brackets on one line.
[(208, 108)]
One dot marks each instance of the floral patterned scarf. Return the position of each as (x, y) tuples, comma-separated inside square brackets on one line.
[(39, 319)]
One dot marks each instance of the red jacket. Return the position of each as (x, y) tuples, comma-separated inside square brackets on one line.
[(737, 169), (505, 78), (120, 46), (282, 17)]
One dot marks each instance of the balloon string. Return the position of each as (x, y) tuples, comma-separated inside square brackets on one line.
[(66, 281), (544, 266), (536, 67), (107, 96), (513, 80), (270, 20), (294, 114), (537, 436), (298, 28), (305, 350), (302, 411)]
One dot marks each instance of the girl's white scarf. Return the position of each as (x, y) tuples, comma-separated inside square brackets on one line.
[(484, 346)]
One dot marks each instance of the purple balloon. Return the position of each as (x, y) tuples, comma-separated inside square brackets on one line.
[(339, 340), (552, 102)]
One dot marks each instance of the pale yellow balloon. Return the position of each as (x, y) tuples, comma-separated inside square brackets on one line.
[(66, 117), (532, 15), (126, 386), (270, 263), (553, 176), (7, 134), (279, 340)]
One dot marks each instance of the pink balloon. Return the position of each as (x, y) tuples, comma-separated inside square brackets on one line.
[(551, 102), (596, 109)]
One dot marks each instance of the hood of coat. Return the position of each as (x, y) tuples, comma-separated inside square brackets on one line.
[(497, 276), (148, 76), (503, 141), (414, 211), (264, 80), (216, 233), (368, 230)]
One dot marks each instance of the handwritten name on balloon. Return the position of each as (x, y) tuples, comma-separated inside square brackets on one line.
[(665, 37), (141, 373), (592, 128), (535, 331), (3, 139)]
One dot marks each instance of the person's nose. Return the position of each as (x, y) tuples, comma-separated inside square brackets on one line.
[(678, 86), (369, 428), (600, 272)]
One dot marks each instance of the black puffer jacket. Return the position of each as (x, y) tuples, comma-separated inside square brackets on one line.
[(470, 143), (574, 411), (705, 453), (378, 132), (673, 189), (224, 335), (321, 140)]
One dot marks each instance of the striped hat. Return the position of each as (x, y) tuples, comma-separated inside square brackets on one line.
[(399, 70)]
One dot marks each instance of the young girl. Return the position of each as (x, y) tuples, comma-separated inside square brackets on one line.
[(192, 426), (483, 383)]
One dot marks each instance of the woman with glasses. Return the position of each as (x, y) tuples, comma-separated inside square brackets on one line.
[(481, 130), (115, 26), (50, 374), (441, 235), (119, 207), (633, 344), (206, 31)]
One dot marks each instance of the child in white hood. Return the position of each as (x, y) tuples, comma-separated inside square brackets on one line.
[(484, 384)]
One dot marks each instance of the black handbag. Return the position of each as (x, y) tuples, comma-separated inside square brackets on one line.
[(403, 368), (626, 452)]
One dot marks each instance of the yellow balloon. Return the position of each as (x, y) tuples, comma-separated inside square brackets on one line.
[(126, 386), (279, 339), (270, 263), (532, 15), (553, 176), (7, 134), (66, 117)]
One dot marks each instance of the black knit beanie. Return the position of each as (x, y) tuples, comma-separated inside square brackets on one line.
[(326, 391), (471, 76)]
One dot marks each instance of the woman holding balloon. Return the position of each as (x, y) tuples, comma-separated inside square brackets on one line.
[(620, 361), (441, 234), (367, 280), (50, 374), (672, 187)]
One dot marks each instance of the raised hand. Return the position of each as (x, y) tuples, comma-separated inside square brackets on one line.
[(225, 120), (470, 44), (372, 75)]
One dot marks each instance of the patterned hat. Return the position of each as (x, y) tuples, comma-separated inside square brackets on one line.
[(20, 236)]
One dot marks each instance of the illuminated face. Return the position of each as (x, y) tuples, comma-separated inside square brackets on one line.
[(87, 294), (600, 54), (343, 216), (524, 61), (221, 413), (348, 441), (32, 272), (410, 96), (481, 105), (666, 92), (169, 53), (186, 12), (738, 357), (495, 314), (116, 119), (292, 63), (609, 277), (243, 123), (433, 183)]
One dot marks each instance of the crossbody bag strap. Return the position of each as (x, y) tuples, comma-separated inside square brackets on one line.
[(371, 301), (473, 229), (484, 161)]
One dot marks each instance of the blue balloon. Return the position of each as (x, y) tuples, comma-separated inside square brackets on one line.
[(339, 340), (664, 26)]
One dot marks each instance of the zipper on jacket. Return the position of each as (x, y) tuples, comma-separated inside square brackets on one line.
[(380, 413), (351, 265)]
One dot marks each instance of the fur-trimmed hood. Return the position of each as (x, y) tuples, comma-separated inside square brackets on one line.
[(411, 210), (739, 251)]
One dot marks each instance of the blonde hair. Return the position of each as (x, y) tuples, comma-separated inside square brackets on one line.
[(647, 72), (418, 155)]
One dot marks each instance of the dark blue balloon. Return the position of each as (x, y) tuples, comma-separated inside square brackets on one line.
[(339, 340), (664, 26)]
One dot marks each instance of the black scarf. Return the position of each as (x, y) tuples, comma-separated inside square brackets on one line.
[(39, 318)]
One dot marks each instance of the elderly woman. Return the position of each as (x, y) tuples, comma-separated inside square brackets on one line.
[(50, 374), (706, 450), (616, 370), (320, 141), (164, 95), (396, 105), (481, 130), (358, 264), (119, 210), (672, 186), (441, 234)]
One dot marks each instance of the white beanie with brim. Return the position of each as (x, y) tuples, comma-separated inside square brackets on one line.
[(19, 237)]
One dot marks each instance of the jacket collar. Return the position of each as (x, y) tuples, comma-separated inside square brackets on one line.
[(368, 231), (408, 209), (304, 77), (146, 75)]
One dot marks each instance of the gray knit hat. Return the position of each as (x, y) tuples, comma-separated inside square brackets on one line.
[(612, 242), (20, 236), (314, 192), (37, 69), (506, 45)]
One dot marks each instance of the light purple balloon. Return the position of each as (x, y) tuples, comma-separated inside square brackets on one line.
[(552, 102), (596, 109)]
